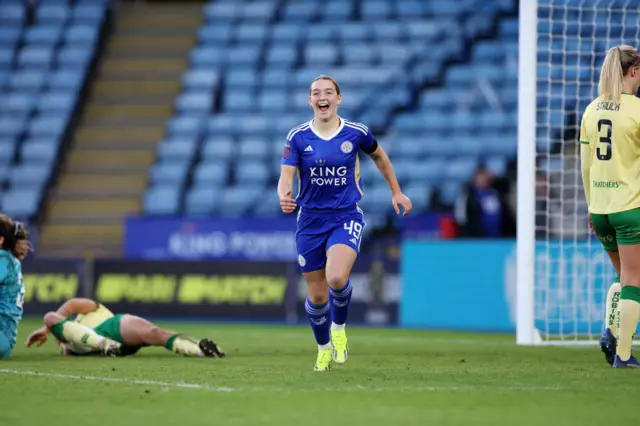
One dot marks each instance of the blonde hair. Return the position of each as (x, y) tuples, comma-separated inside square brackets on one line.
[(616, 65), (326, 77)]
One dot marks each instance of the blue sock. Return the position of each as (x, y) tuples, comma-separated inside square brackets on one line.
[(340, 301), (320, 321)]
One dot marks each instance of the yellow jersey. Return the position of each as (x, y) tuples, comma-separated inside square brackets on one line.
[(95, 318), (91, 320), (610, 154)]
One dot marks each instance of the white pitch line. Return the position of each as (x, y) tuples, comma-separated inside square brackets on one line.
[(394, 339), (195, 386)]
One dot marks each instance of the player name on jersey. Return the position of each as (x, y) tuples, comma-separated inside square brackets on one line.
[(608, 106)]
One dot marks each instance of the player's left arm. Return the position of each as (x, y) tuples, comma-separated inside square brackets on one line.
[(371, 146), (70, 307), (77, 305)]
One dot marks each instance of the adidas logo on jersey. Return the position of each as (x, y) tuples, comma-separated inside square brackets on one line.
[(308, 149)]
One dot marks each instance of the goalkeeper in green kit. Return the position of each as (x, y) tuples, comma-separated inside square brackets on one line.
[(86, 327)]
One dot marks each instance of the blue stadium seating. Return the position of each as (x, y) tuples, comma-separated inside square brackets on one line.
[(247, 86), (43, 65)]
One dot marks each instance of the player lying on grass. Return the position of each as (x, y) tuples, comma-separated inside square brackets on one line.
[(14, 246), (83, 327)]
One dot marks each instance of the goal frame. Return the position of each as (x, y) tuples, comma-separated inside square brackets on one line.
[(526, 334)]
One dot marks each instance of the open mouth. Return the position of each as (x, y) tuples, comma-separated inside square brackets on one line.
[(323, 107)]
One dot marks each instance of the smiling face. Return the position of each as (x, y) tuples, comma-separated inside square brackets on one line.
[(324, 98)]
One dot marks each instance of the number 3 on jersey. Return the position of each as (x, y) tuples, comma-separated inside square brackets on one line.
[(354, 229), (605, 140)]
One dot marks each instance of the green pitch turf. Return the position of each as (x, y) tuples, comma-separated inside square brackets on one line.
[(392, 378)]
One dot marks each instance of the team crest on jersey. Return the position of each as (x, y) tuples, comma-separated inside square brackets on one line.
[(301, 260), (346, 147)]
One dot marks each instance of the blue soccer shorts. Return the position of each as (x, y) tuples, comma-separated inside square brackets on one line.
[(317, 232)]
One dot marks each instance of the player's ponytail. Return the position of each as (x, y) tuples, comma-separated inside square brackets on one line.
[(616, 64)]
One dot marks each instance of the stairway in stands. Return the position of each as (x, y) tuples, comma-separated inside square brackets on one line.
[(105, 172)]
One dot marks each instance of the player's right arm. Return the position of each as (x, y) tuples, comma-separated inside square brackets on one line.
[(290, 163), (586, 156)]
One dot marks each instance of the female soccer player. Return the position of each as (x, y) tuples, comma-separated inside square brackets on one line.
[(610, 160), (14, 246), (83, 326), (325, 151)]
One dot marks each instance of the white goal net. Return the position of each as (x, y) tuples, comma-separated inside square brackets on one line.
[(570, 271)]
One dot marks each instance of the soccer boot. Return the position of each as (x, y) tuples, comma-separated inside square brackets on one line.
[(608, 345), (630, 363), (340, 347), (323, 362), (210, 348), (110, 348)]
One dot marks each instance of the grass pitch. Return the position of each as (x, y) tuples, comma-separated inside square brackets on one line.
[(393, 377)]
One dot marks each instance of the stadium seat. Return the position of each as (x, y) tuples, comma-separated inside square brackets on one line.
[(29, 175), (237, 200), (20, 203), (37, 57), (211, 173), (169, 173), (201, 79), (218, 147), (43, 35), (45, 48), (196, 102), (203, 199), (27, 81), (81, 35), (179, 149), (9, 36), (57, 102), (52, 14), (252, 172), (162, 200), (411, 67), (39, 151), (13, 15)]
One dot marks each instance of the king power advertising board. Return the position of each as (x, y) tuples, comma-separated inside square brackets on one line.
[(215, 290)]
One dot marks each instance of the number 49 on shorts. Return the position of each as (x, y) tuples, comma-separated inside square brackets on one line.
[(354, 229)]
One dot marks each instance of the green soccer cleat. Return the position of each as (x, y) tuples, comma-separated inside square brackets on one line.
[(340, 347), (323, 363)]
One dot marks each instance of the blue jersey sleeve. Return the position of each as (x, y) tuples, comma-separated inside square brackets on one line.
[(368, 143), (291, 155)]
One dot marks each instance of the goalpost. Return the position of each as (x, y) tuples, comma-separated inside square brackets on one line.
[(563, 274)]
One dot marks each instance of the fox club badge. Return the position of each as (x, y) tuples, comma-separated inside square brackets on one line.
[(346, 147)]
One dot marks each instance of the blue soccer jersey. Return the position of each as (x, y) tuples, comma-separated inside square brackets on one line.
[(329, 171), (329, 168), (11, 295)]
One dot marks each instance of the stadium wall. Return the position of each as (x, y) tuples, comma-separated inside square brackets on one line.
[(471, 286)]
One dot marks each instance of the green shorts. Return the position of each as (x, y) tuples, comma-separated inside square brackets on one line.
[(617, 228), (110, 328)]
